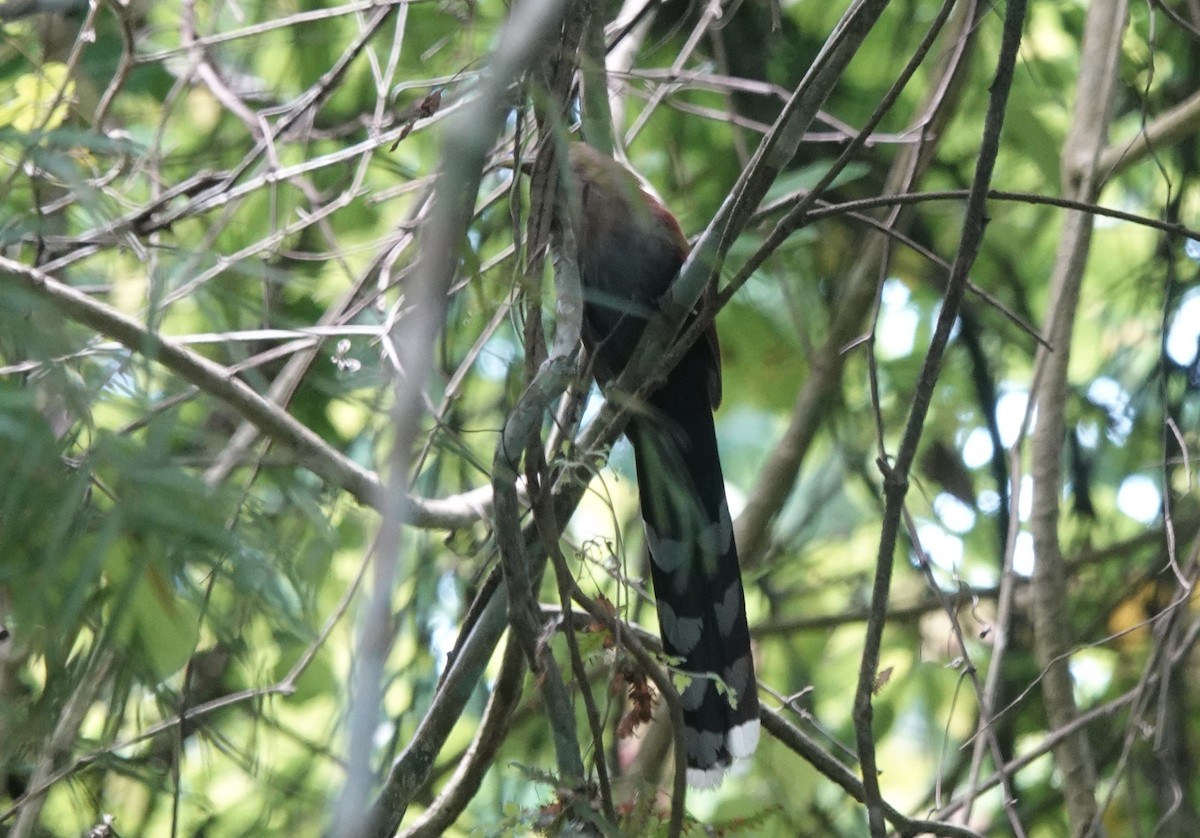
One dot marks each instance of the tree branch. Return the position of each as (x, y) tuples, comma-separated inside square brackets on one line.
[(311, 451), (895, 484), (493, 728), (1103, 31)]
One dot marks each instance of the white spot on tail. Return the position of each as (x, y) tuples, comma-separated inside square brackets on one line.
[(706, 778), (740, 742), (743, 739)]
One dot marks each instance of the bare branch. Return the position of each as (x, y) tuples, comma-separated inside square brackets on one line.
[(1103, 32)]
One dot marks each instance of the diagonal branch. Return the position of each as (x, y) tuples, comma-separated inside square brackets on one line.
[(311, 451)]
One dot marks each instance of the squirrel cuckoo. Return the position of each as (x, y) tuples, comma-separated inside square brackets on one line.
[(630, 249)]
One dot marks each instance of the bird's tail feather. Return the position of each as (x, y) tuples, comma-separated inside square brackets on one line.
[(697, 582)]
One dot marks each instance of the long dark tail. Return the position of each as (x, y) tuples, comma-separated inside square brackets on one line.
[(694, 565)]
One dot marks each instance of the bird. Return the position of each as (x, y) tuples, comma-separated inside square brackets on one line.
[(630, 248)]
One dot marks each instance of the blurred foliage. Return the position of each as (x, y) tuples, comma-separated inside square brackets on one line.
[(136, 586)]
